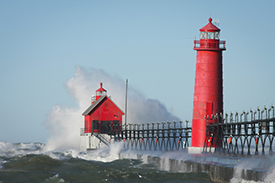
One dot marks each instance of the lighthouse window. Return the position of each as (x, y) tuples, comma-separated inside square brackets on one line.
[(203, 35), (101, 93), (210, 35), (217, 35)]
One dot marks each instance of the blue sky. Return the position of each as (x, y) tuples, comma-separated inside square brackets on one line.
[(148, 42)]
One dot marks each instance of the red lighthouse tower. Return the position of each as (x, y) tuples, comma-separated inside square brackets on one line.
[(208, 91)]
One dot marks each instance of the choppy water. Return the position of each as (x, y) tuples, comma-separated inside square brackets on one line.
[(32, 162), (43, 168)]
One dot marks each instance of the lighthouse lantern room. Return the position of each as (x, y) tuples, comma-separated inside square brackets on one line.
[(101, 119)]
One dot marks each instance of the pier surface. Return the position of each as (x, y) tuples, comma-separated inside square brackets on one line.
[(220, 168)]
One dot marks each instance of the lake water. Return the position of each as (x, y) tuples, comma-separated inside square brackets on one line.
[(31, 162)]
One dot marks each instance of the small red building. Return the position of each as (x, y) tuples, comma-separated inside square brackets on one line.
[(103, 115)]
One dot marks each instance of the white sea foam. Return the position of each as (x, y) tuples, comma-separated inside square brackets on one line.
[(107, 154), (259, 163), (270, 175), (8, 149), (54, 178)]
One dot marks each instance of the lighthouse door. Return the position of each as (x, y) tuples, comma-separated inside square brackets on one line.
[(105, 127)]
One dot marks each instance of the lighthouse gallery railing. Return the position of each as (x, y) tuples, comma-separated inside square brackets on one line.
[(209, 44)]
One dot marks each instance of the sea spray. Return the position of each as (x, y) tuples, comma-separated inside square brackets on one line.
[(64, 123), (106, 154), (257, 163), (270, 177), (8, 149)]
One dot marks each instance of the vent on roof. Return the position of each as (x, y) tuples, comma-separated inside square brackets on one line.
[(93, 98)]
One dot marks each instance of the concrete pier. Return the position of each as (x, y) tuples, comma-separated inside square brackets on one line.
[(219, 168)]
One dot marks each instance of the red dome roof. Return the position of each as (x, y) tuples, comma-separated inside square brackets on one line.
[(210, 27)]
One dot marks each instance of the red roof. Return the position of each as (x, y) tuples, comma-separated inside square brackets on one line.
[(210, 27), (92, 107)]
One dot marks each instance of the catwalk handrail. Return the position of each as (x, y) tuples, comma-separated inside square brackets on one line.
[(163, 136), (246, 133)]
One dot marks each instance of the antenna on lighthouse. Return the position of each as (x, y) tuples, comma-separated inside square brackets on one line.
[(126, 102), (216, 22)]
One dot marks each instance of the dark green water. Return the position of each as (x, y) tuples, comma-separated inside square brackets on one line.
[(42, 168), (34, 162), (31, 163)]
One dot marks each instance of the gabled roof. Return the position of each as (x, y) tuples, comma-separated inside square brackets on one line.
[(97, 102), (210, 27)]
